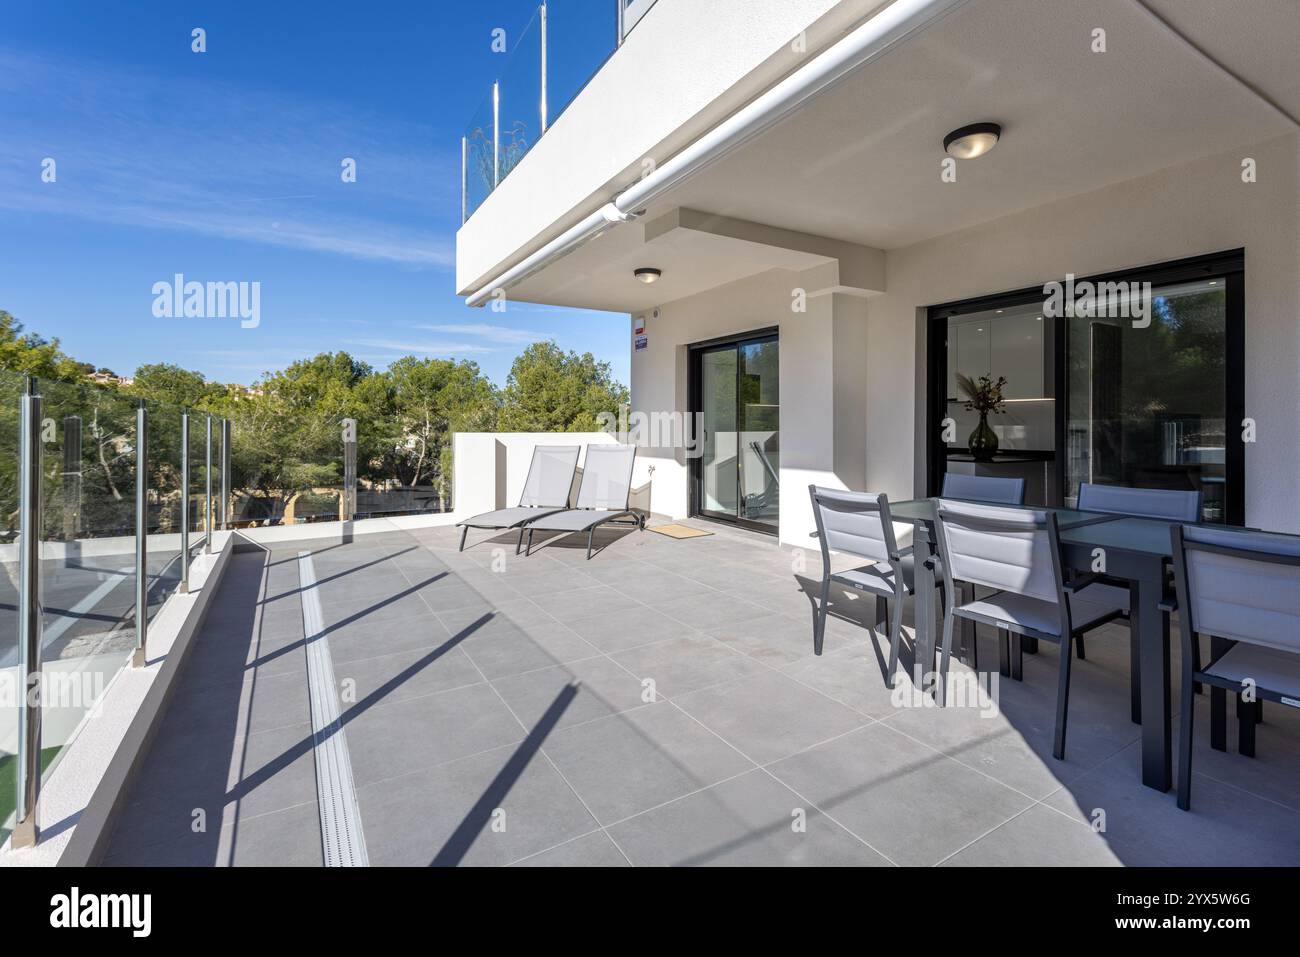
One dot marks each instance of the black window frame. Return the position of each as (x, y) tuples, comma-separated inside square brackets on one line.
[(695, 400), (1230, 264)]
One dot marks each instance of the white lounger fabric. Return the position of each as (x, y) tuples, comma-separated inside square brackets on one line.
[(604, 492), (509, 517), (578, 520), (546, 489)]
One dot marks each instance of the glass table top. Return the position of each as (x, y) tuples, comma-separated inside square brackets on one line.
[(922, 509), (1148, 536)]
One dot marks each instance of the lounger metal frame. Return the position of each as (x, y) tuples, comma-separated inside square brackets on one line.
[(542, 510), (638, 521)]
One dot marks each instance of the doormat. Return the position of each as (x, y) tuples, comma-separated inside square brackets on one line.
[(679, 531)]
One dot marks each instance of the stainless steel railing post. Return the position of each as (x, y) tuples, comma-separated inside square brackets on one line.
[(26, 831), (225, 474), (349, 503), (207, 504), (185, 503), (141, 535), (545, 116), (496, 134)]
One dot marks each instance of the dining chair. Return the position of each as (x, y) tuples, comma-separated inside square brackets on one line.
[(1242, 588), (1017, 553), (1158, 503), (1174, 505), (980, 488), (984, 488), (859, 524)]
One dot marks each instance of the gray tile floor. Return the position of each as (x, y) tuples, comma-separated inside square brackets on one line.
[(659, 704)]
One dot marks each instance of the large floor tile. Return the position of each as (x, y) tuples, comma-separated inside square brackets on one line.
[(854, 676), (237, 708), (1040, 837), (712, 610), (501, 650), (910, 803), (1274, 772), (627, 763), (364, 639), (489, 809), (287, 838), (769, 716), (406, 674), (591, 850), (771, 638), (1006, 729), (571, 606), (687, 664), (1226, 827), (616, 631), (392, 738), (749, 821), (568, 694)]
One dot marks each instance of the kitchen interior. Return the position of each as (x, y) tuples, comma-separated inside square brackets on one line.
[(1016, 343)]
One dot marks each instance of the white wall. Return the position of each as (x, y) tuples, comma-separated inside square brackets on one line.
[(819, 391), (853, 370), (489, 468), (1202, 207)]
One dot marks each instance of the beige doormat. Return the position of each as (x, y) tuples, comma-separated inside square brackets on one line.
[(679, 531)]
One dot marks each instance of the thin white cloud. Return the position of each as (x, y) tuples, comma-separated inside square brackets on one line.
[(482, 330), (404, 347), (274, 179)]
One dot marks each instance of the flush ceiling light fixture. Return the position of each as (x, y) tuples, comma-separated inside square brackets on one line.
[(647, 275), (972, 141)]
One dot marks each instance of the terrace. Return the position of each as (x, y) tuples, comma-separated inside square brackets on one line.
[(359, 690), (496, 711)]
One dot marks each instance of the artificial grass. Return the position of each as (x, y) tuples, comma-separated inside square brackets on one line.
[(9, 783)]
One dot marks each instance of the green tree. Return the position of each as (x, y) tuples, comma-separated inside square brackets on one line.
[(432, 399), (30, 354), (288, 430), (550, 390), (169, 383)]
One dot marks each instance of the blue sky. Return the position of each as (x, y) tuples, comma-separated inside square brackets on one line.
[(225, 166)]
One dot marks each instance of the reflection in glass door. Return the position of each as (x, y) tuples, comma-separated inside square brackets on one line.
[(1148, 402), (738, 397), (720, 466)]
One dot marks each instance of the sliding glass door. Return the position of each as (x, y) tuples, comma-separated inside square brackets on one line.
[(1135, 378), (1149, 400), (735, 384)]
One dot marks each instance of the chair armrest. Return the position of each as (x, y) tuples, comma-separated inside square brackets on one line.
[(898, 555), (814, 535)]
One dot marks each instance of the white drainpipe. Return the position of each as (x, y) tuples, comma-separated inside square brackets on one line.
[(889, 27)]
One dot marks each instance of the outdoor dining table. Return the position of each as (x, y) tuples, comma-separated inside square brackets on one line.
[(1136, 550)]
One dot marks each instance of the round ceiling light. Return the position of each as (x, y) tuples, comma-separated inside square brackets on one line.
[(972, 141), (647, 275)]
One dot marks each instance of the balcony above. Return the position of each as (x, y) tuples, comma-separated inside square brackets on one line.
[(668, 82)]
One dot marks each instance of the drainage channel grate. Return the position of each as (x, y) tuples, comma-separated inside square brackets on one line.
[(340, 817)]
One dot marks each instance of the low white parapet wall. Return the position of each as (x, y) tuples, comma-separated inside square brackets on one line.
[(489, 468)]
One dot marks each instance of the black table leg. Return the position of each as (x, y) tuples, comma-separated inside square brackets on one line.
[(1134, 662), (1218, 701), (1157, 758)]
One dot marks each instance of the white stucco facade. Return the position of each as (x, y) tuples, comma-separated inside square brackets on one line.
[(1167, 186)]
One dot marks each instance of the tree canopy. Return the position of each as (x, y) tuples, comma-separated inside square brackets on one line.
[(550, 390), (287, 427)]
